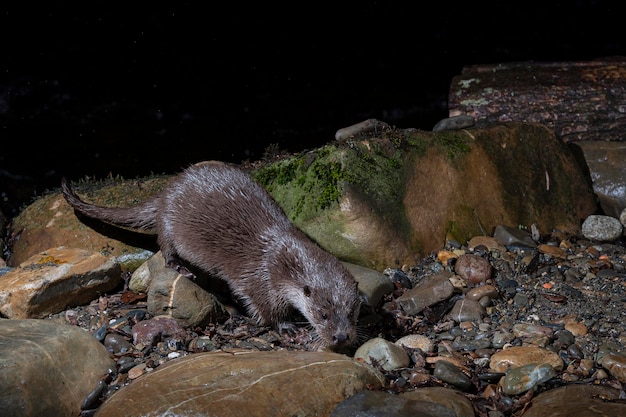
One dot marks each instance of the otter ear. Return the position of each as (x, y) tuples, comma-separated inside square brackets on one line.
[(307, 290)]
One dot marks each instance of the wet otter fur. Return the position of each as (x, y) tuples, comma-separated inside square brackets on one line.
[(216, 217)]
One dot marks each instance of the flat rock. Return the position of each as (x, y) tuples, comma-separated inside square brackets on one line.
[(517, 356), (244, 383), (50, 281), (47, 368), (50, 222), (579, 401)]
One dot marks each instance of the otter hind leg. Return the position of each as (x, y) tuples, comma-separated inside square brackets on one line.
[(172, 260)]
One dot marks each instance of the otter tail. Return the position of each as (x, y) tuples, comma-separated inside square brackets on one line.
[(140, 218)]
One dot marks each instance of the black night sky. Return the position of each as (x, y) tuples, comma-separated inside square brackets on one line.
[(130, 88)]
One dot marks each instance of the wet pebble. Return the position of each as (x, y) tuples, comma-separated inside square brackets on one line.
[(481, 291), (428, 292), (454, 123), (473, 268), (577, 329), (116, 343), (517, 356), (501, 338), (519, 380), (467, 310), (531, 330), (448, 372), (491, 243), (615, 364)]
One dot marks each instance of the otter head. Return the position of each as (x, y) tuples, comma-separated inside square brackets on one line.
[(320, 287), (333, 312)]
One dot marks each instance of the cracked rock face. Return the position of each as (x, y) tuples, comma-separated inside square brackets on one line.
[(244, 383)]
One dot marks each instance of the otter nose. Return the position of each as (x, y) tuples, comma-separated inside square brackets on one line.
[(340, 338)]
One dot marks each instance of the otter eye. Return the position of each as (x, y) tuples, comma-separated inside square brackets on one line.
[(307, 290), (324, 316)]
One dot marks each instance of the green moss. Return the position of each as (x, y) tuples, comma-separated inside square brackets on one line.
[(455, 143)]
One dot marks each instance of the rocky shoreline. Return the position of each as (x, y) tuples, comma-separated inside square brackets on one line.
[(509, 321)]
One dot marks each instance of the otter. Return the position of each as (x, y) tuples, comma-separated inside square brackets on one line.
[(214, 216)]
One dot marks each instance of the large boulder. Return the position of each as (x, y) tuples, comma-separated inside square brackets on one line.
[(390, 200), (48, 369)]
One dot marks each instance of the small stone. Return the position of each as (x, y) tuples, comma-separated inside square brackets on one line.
[(454, 123), (491, 243), (373, 285), (553, 251), (511, 236), (531, 330), (136, 371), (481, 291), (519, 380), (467, 310), (473, 268), (116, 343), (444, 256), (517, 356), (616, 365), (416, 341), (449, 373), (577, 329), (602, 228), (428, 292), (383, 353)]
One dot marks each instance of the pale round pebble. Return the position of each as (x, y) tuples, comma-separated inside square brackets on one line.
[(602, 228), (416, 341), (386, 354)]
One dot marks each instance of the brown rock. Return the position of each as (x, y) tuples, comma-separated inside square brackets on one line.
[(553, 251), (491, 243), (517, 356), (429, 291), (481, 291), (50, 281), (238, 383), (388, 201), (473, 268), (616, 365), (577, 400), (50, 222), (48, 369), (176, 296)]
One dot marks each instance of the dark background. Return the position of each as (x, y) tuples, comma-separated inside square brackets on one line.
[(132, 88)]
